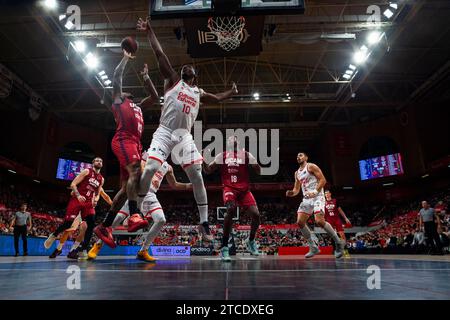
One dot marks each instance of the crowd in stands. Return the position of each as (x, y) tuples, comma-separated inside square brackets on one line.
[(398, 232)]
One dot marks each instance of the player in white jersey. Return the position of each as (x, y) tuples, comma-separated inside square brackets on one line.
[(151, 208), (310, 179), (182, 100)]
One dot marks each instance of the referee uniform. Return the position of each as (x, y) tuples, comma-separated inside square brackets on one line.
[(20, 230), (430, 227)]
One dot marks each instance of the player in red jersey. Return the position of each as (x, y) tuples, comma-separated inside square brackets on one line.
[(126, 145), (85, 190), (332, 216), (236, 191)]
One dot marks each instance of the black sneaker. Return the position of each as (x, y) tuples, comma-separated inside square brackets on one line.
[(55, 253), (16, 255), (73, 255), (25, 254)]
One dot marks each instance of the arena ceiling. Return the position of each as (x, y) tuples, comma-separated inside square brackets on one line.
[(410, 65)]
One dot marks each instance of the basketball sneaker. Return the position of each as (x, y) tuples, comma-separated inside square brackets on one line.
[(205, 232), (136, 222), (339, 252), (225, 254), (144, 256), (82, 255), (48, 243), (55, 253), (105, 234), (252, 247), (313, 250), (73, 254), (95, 250)]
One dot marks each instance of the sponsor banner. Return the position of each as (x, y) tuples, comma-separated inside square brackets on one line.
[(292, 251), (202, 251), (170, 251)]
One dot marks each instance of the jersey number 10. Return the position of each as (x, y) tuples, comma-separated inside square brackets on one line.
[(186, 108)]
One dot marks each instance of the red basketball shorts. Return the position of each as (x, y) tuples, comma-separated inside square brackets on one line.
[(240, 198), (127, 151), (75, 207)]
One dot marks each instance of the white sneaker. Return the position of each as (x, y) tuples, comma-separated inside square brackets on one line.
[(313, 250), (48, 243), (339, 252), (82, 255)]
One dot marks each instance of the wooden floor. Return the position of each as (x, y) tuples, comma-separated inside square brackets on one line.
[(246, 277)]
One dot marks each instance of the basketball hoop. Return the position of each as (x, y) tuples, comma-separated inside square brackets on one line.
[(228, 31)]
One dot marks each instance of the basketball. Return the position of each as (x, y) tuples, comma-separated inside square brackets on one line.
[(129, 45)]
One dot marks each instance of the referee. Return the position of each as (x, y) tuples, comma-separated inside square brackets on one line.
[(21, 220), (427, 218)]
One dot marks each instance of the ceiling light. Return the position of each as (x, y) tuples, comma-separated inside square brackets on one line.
[(388, 13), (256, 95), (62, 17), (104, 77), (101, 73), (346, 76), (374, 37), (80, 45), (12, 171), (394, 5), (91, 61), (349, 72), (360, 57), (69, 25), (50, 4), (107, 82), (352, 67)]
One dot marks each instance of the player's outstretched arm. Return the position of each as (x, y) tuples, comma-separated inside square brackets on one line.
[(213, 166), (150, 88), (215, 98), (117, 78), (342, 213), (165, 67), (174, 184), (105, 196), (294, 192), (315, 170), (76, 182)]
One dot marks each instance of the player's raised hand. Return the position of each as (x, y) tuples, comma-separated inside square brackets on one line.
[(128, 54), (142, 25), (234, 88), (145, 70)]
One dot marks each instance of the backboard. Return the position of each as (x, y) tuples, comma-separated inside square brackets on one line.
[(174, 9)]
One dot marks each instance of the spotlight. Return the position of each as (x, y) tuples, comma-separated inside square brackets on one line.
[(287, 94), (80, 46), (346, 76), (107, 82), (101, 73), (62, 17), (393, 5), (37, 181), (256, 96), (91, 61), (349, 72), (12, 171), (289, 98), (360, 57), (69, 25), (388, 13), (50, 4), (374, 37), (352, 67)]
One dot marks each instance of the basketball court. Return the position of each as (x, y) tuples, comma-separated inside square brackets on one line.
[(245, 278)]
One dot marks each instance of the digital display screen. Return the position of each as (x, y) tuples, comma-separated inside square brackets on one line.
[(379, 167), (69, 169)]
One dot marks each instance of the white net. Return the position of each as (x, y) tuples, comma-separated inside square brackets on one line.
[(228, 31)]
